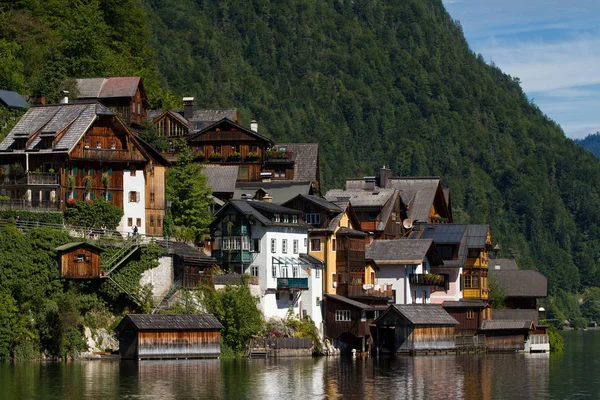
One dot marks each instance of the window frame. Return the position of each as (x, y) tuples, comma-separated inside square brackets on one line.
[(343, 316), (315, 241), (273, 245), (284, 246)]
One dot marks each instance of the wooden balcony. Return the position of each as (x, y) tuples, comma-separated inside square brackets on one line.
[(475, 294), (108, 155), (369, 291), (19, 204), (478, 262), (292, 283), (32, 179), (232, 256)]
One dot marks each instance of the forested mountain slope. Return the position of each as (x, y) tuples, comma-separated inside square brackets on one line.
[(374, 82), (590, 142)]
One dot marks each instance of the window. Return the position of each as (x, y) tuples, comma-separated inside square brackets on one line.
[(138, 221), (139, 109), (132, 172), (152, 197), (334, 244), (254, 270), (217, 149), (295, 248), (318, 301), (313, 218), (235, 147), (471, 282), (279, 173), (284, 245), (295, 271), (342, 315), (86, 143), (274, 271), (98, 143), (294, 219), (256, 245), (80, 257), (273, 245), (414, 296), (284, 272), (373, 216), (134, 197), (285, 219), (254, 148), (305, 240), (470, 314), (315, 244), (243, 172), (129, 221), (363, 316), (276, 218), (317, 273), (113, 144), (151, 221), (424, 293), (158, 222)]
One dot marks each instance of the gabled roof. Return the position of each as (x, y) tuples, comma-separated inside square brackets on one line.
[(420, 314), (503, 264), (153, 115), (318, 201), (444, 233), (74, 245), (256, 210), (12, 99), (418, 193), (477, 236), (221, 178), (361, 198), (273, 208), (464, 303), (280, 191), (507, 324), (111, 87), (197, 136), (306, 162), (403, 251), (520, 282), (188, 254), (207, 116), (350, 302), (519, 314), (171, 322)]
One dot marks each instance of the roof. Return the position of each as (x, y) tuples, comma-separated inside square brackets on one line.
[(343, 231), (503, 264), (520, 314), (209, 128), (172, 322), (152, 115), (520, 282), (207, 116), (421, 314), (361, 198), (111, 87), (320, 202), (417, 193), (74, 245), (157, 155), (72, 119), (464, 304), (256, 210), (280, 191), (221, 178), (306, 164), (402, 251), (477, 236), (311, 259), (350, 302), (12, 99), (507, 324), (444, 233), (273, 208), (188, 254)]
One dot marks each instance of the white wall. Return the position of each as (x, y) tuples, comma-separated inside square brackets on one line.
[(397, 276), (136, 209), (161, 278)]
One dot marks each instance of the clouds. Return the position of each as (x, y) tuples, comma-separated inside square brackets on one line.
[(553, 46)]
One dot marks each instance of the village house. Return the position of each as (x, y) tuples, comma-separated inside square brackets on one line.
[(79, 260), (406, 266), (270, 242), (66, 152)]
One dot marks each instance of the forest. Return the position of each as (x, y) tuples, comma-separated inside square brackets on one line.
[(374, 82)]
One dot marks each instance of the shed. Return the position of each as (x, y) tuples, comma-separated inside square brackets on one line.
[(406, 328), (146, 336), (79, 260), (506, 335)]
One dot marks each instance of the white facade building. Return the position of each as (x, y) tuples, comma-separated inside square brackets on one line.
[(134, 201)]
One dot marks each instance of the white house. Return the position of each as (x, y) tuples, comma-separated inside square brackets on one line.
[(134, 201), (406, 265), (270, 242)]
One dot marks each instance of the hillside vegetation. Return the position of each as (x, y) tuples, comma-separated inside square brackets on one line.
[(590, 142), (373, 82)]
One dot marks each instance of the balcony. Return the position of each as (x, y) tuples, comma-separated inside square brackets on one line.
[(108, 155), (232, 256), (438, 281), (34, 205), (370, 291), (32, 179), (477, 262), (292, 283), (479, 294), (280, 156)]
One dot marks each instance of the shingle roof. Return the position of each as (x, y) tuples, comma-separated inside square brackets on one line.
[(221, 178), (350, 232), (506, 324), (477, 235), (173, 322), (280, 191), (521, 282), (111, 87), (69, 246), (400, 251), (464, 304), (187, 253), (503, 264), (421, 314), (521, 314), (151, 115), (319, 201), (273, 208), (197, 136), (348, 301), (444, 233), (361, 198), (203, 117), (12, 99), (306, 163), (417, 193)]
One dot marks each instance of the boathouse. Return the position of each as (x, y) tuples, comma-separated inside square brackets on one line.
[(414, 328), (506, 335), (79, 261), (148, 336)]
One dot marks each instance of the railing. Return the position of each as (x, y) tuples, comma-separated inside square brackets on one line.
[(468, 341), (477, 262), (379, 291), (281, 343), (292, 283), (17, 204), (475, 294), (232, 256), (280, 156), (32, 178), (539, 339), (109, 155), (425, 280), (235, 279)]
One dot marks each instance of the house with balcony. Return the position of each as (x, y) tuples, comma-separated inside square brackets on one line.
[(406, 266), (270, 242), (82, 151)]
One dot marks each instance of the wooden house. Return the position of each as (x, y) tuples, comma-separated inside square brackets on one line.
[(505, 335), (414, 327), (79, 261), (148, 336), (468, 313), (66, 152), (297, 162), (522, 288), (347, 322), (191, 267), (124, 95)]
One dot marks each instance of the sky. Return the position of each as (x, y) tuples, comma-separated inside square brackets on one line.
[(552, 46)]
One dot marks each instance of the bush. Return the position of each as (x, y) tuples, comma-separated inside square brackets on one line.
[(32, 216), (557, 342), (93, 214)]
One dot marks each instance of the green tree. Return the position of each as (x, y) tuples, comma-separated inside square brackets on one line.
[(93, 214), (497, 296), (190, 198)]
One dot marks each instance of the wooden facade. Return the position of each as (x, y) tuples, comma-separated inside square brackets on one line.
[(79, 261), (469, 315), (157, 336)]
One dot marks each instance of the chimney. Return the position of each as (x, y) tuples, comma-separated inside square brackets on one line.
[(384, 175), (254, 126), (265, 176), (267, 198), (369, 182), (65, 97), (188, 107), (40, 100)]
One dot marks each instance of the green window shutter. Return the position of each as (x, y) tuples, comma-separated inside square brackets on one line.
[(110, 171), (462, 282), (109, 196), (75, 194), (75, 171), (91, 171), (91, 195), (83, 171)]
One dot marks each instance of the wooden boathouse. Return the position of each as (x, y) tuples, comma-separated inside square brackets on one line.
[(152, 336), (79, 261), (506, 335), (413, 329)]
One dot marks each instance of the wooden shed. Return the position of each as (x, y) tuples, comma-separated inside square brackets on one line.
[(146, 336), (79, 261), (506, 335), (414, 327)]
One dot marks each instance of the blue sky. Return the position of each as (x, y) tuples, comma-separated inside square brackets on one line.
[(552, 46)]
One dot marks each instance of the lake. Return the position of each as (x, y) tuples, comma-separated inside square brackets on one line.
[(572, 374)]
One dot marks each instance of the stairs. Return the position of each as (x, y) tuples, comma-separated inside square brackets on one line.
[(164, 303), (128, 249)]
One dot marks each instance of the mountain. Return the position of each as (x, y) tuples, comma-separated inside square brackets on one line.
[(591, 142), (374, 82)]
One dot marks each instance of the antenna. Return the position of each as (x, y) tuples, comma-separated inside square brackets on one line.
[(407, 223)]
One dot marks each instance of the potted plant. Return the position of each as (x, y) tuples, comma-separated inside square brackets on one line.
[(105, 181), (70, 183), (88, 182), (252, 156), (215, 156), (234, 156)]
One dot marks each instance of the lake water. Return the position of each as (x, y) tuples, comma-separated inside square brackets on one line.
[(573, 374)]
